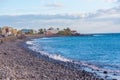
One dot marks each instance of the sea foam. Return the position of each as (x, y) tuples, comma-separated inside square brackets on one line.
[(29, 42), (53, 56), (94, 48)]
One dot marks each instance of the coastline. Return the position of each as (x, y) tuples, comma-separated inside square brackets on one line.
[(19, 63)]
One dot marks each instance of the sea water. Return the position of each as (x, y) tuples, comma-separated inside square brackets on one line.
[(102, 51)]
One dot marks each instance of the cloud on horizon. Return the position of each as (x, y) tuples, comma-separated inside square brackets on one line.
[(108, 1), (106, 14), (111, 1), (101, 21), (54, 5)]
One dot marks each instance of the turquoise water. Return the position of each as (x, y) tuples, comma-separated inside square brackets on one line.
[(102, 51)]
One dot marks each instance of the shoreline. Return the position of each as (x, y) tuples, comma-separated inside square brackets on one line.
[(78, 65), (19, 63)]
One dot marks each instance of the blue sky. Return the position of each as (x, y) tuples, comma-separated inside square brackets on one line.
[(17, 7), (85, 16)]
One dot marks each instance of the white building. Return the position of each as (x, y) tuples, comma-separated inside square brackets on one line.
[(51, 31), (6, 31)]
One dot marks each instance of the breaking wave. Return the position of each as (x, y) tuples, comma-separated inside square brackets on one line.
[(88, 66)]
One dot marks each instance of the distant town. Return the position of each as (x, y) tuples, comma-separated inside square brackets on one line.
[(10, 31)]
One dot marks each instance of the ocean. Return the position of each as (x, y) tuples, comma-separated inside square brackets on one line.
[(102, 51)]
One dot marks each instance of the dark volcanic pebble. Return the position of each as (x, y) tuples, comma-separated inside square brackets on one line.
[(5, 53), (105, 72)]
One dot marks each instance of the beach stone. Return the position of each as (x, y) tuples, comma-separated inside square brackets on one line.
[(101, 79), (5, 53), (115, 74), (105, 72)]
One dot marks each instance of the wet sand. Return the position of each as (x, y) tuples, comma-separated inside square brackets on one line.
[(17, 63)]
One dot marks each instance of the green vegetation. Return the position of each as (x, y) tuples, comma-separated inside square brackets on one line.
[(41, 31), (31, 32), (66, 32)]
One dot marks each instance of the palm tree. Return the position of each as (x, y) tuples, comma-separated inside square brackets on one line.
[(41, 31)]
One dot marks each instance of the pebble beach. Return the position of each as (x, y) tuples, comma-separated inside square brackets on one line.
[(17, 63)]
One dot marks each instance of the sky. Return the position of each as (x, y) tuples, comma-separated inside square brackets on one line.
[(85, 16)]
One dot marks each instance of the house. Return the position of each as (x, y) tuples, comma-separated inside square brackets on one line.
[(29, 31), (26, 31), (35, 32), (14, 32), (75, 33), (51, 31), (7, 31)]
